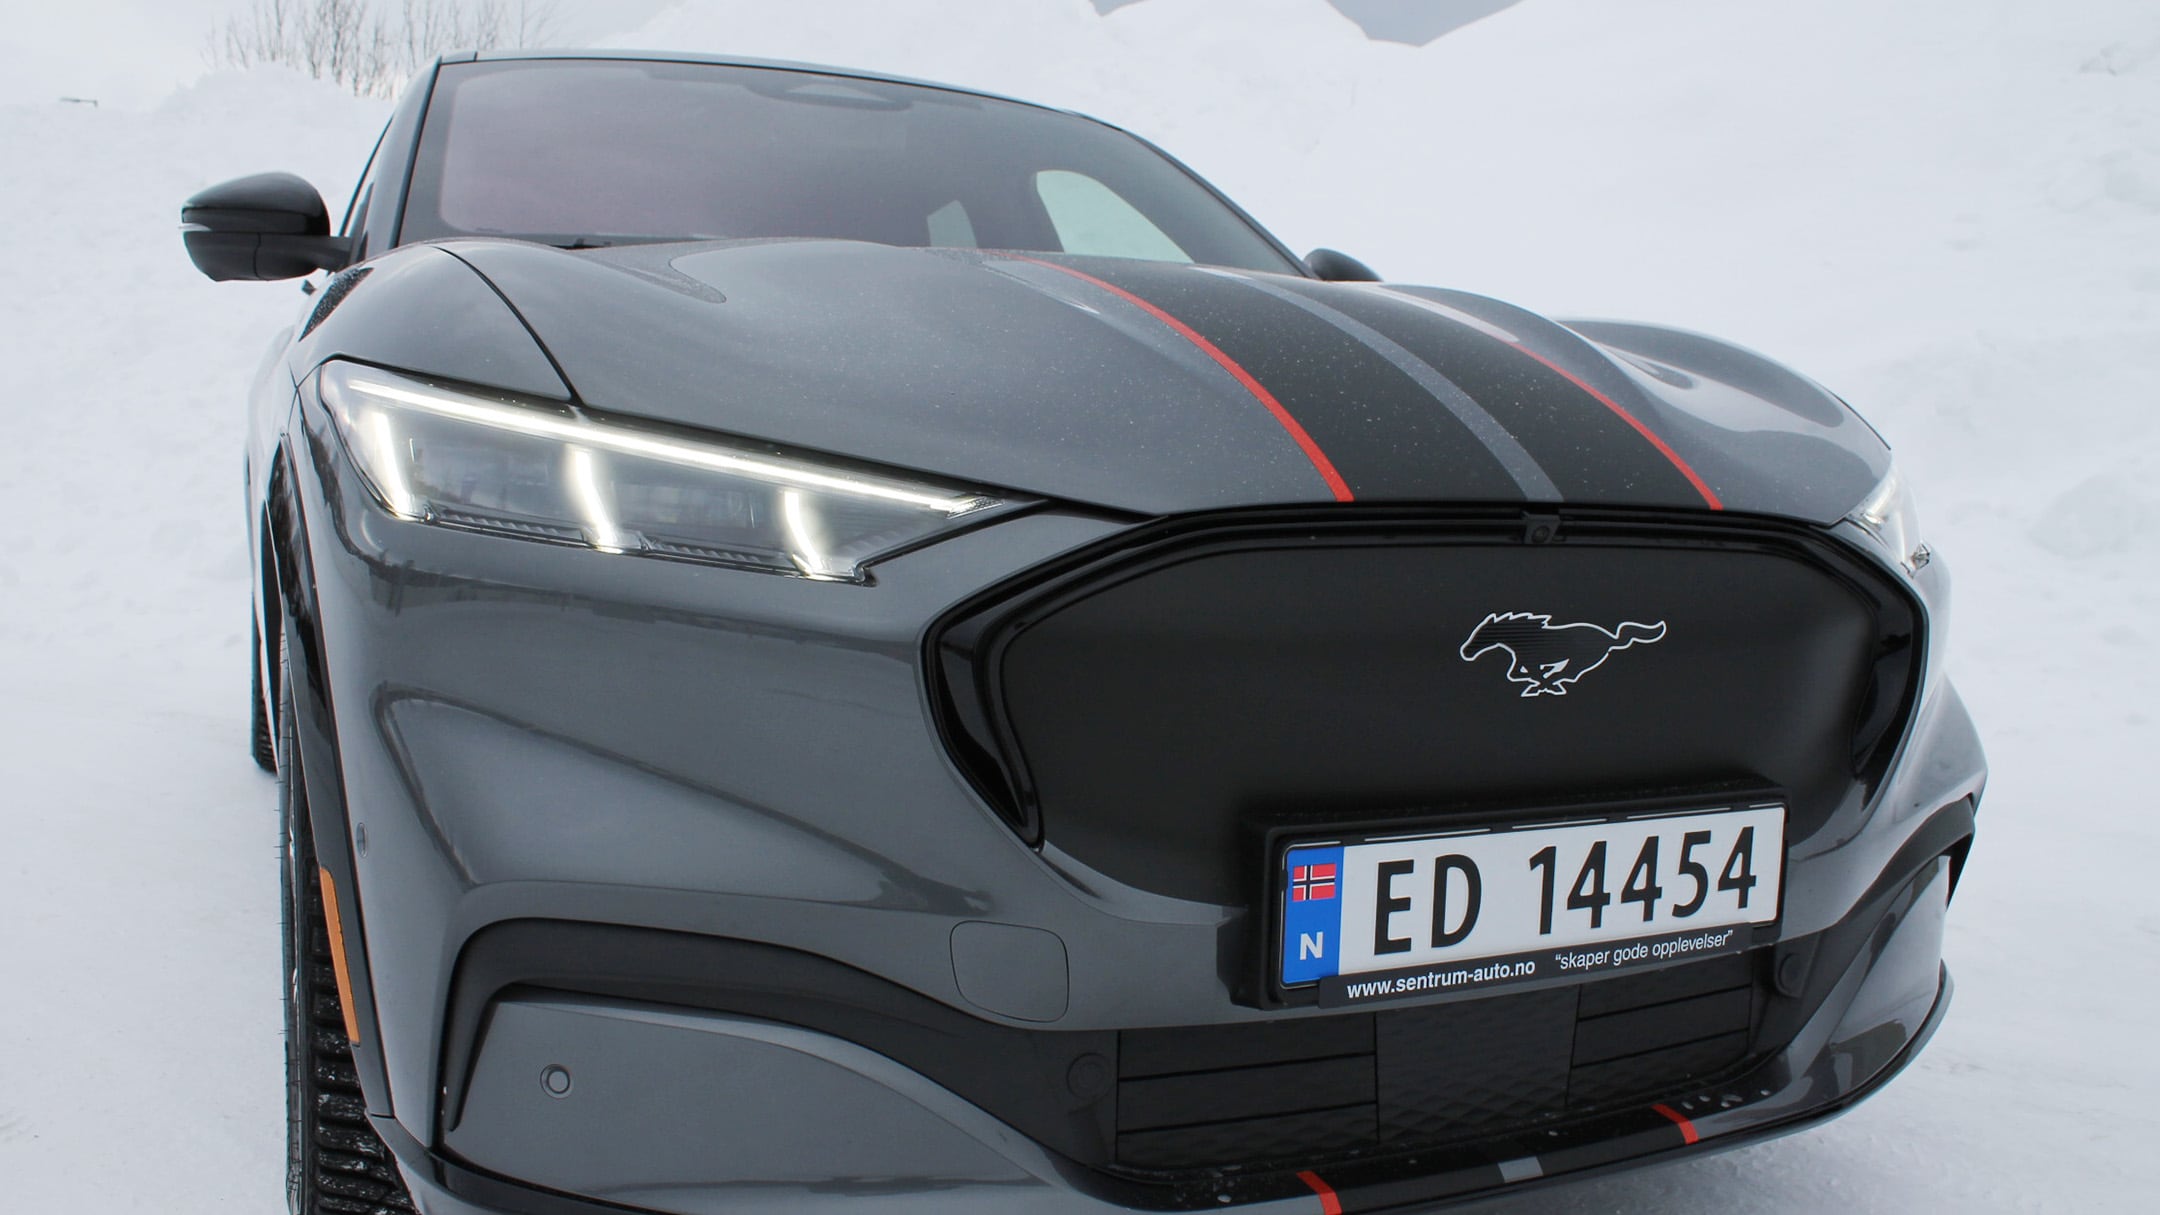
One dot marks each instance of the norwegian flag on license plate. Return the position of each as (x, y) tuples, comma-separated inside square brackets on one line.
[(1312, 883)]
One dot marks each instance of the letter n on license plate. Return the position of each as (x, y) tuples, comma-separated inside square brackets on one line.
[(1378, 917)]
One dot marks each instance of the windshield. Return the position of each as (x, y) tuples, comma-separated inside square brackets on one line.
[(581, 152)]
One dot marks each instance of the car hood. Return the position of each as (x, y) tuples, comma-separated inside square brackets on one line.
[(1156, 388)]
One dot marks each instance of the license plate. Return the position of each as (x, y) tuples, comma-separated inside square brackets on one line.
[(1380, 917)]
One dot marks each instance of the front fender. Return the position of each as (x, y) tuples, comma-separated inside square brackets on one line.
[(291, 574), (424, 310)]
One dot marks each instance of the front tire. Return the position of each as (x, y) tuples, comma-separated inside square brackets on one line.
[(335, 1164)]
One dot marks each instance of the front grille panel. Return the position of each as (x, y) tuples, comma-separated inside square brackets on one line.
[(1156, 706), (1410, 1078)]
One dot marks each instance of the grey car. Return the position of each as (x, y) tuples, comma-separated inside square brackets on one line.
[(835, 642)]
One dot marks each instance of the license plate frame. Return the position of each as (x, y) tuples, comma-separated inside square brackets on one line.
[(1481, 962)]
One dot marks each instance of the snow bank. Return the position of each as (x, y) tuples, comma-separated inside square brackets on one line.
[(140, 1064), (1949, 210)]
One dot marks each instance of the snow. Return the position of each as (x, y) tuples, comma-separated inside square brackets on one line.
[(140, 1065), (1415, 22), (1948, 210)]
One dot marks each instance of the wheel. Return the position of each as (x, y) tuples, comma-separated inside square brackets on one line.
[(335, 1164), (265, 746)]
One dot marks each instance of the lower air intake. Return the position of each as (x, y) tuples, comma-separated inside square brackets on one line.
[(1244, 1096)]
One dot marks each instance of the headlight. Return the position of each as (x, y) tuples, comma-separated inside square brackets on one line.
[(1888, 515), (553, 473)]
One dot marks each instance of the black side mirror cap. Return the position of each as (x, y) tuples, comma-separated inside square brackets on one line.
[(269, 226), (1331, 266)]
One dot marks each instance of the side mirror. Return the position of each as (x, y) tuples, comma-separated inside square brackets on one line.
[(269, 226), (1333, 267)]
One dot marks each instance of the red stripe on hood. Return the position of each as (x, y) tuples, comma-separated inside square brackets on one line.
[(1490, 329), (1702, 487), (1320, 462)]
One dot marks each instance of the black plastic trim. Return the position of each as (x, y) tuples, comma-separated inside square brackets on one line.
[(1019, 1073)]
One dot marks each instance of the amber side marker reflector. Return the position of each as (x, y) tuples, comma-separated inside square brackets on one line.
[(337, 956)]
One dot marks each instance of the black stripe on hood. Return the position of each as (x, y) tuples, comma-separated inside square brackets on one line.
[(1592, 453), (1529, 477), (1391, 439)]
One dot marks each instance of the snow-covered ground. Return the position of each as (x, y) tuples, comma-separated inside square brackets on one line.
[(1949, 210)]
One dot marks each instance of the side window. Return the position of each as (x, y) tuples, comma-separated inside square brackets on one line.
[(1091, 218), (356, 211)]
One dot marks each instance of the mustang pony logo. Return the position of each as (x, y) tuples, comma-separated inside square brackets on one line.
[(1547, 657)]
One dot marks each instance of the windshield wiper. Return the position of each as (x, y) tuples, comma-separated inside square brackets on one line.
[(610, 240)]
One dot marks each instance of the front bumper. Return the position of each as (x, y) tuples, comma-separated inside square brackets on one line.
[(531, 734), (673, 1111)]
